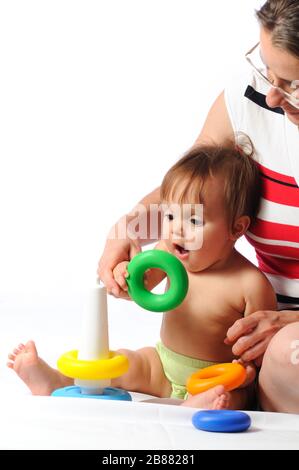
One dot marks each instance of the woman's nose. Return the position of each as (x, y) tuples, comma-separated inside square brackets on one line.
[(274, 98)]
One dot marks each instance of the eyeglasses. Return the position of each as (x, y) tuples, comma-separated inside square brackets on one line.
[(260, 69)]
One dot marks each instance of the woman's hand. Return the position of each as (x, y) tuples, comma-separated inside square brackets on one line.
[(251, 335), (124, 249)]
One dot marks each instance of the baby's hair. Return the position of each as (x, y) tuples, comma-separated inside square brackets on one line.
[(241, 179)]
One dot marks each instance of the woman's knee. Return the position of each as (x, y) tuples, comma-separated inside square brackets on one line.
[(283, 349), (279, 377)]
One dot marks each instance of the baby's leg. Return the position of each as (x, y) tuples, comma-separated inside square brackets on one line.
[(279, 375), (145, 374), (36, 373)]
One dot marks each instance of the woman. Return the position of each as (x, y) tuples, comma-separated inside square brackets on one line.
[(264, 104)]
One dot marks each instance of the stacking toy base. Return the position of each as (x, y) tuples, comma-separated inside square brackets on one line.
[(109, 393)]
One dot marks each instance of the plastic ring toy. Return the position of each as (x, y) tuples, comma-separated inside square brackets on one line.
[(175, 272), (221, 421), (115, 366), (230, 375), (109, 393)]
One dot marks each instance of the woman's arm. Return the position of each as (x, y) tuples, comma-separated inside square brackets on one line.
[(121, 245), (217, 129)]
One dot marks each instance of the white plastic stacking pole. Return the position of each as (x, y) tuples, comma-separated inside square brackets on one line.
[(95, 339)]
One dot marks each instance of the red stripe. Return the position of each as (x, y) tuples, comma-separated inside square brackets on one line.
[(280, 193), (277, 176), (274, 231), (282, 267), (277, 250)]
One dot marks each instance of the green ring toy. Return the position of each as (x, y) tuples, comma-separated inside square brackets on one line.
[(174, 270)]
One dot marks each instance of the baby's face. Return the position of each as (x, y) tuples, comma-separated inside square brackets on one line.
[(198, 234)]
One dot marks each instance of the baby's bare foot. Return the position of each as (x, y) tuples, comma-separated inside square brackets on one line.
[(214, 399), (36, 373)]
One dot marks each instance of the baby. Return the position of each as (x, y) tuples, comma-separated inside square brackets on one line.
[(223, 285)]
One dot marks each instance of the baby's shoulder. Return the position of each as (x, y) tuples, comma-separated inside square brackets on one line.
[(250, 276), (256, 289)]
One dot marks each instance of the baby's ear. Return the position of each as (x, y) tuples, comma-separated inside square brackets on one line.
[(240, 226)]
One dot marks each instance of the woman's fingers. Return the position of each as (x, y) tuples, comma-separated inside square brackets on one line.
[(247, 342), (256, 352), (240, 328)]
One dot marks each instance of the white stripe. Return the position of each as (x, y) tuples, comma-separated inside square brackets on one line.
[(279, 213), (283, 285), (292, 135), (281, 306), (268, 241)]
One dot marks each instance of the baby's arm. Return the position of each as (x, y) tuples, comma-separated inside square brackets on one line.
[(152, 277), (247, 334), (258, 293)]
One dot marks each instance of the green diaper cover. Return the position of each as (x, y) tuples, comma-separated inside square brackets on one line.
[(178, 368)]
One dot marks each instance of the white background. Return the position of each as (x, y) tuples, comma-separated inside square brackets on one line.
[(98, 99)]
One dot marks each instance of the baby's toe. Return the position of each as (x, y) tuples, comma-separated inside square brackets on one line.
[(16, 351), (222, 402)]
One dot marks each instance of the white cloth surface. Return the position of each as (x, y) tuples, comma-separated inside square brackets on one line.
[(59, 423), (30, 422)]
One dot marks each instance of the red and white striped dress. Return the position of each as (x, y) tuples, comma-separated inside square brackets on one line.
[(275, 234)]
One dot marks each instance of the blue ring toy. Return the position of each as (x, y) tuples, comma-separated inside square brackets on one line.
[(110, 393), (221, 421)]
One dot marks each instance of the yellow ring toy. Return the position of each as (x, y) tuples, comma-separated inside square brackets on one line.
[(114, 366), (230, 375)]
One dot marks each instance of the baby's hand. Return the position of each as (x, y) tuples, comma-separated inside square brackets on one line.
[(120, 273), (250, 371)]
